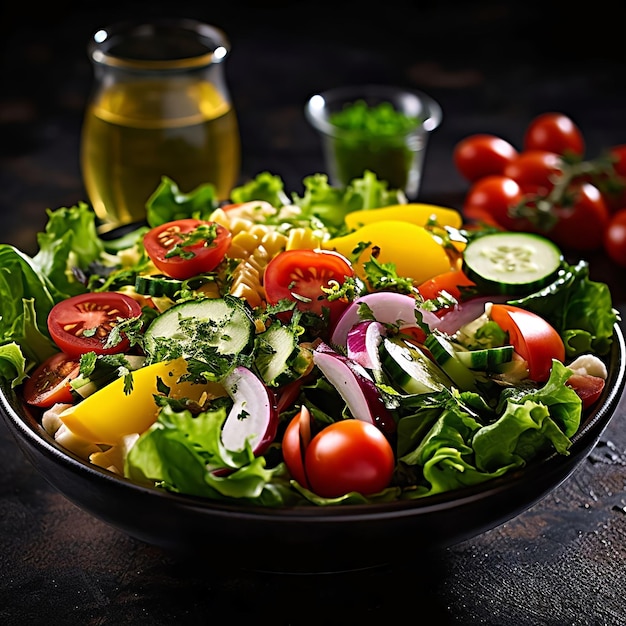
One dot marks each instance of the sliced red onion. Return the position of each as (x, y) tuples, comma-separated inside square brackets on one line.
[(355, 386), (463, 313), (387, 308), (362, 344), (253, 416)]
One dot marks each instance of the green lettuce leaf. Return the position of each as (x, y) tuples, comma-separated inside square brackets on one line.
[(168, 203), (26, 297), (518, 436), (70, 241), (181, 452), (331, 204), (12, 363), (266, 187), (457, 440), (563, 402), (447, 469)]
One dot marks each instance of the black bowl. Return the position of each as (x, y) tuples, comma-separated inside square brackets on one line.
[(305, 539)]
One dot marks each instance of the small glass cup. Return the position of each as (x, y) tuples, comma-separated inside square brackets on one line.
[(396, 158), (159, 107)]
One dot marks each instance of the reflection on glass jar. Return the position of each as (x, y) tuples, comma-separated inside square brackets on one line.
[(159, 107)]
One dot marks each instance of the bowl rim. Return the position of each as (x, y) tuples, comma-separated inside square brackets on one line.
[(24, 424)]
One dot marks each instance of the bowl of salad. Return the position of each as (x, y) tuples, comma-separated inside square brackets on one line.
[(303, 383)]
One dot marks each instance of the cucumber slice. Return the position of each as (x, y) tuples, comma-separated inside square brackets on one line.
[(487, 359), (410, 369), (280, 358), (446, 357), (200, 328), (511, 263), (157, 285), (103, 374)]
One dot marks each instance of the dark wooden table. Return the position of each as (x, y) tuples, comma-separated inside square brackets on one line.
[(492, 68)]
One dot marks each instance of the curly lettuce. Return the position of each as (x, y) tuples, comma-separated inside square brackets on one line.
[(184, 453), (468, 443)]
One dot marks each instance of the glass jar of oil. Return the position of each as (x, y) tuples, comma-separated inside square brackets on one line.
[(160, 106)]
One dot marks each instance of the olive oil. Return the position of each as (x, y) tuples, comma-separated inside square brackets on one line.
[(137, 132)]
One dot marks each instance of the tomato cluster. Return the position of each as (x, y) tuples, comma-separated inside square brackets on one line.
[(548, 186)]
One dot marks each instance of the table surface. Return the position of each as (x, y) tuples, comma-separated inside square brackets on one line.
[(492, 68)]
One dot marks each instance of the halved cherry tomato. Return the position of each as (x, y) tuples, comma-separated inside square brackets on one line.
[(50, 382), (587, 387), (450, 282), (187, 247), (350, 455), (554, 132), (299, 275), (295, 442), (84, 323), (532, 337), (480, 155), (535, 171)]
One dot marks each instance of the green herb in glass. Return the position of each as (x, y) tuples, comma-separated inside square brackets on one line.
[(373, 138)]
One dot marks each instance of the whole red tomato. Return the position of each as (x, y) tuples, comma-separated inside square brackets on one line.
[(493, 196), (481, 155), (346, 456), (581, 226), (535, 171), (613, 182), (615, 238), (619, 154), (554, 132)]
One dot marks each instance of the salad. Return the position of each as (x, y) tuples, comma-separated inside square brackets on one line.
[(336, 347)]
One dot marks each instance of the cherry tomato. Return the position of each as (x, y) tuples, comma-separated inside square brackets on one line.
[(619, 154), (615, 238), (450, 282), (554, 132), (587, 387), (299, 275), (480, 155), (532, 337), (494, 195), (295, 442), (84, 323), (535, 171), (581, 226), (50, 382), (351, 455), (187, 247), (612, 183)]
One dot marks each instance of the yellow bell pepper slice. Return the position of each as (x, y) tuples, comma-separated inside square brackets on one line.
[(414, 251), (415, 213), (109, 414)]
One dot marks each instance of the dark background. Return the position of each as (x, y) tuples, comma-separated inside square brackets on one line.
[(492, 66)]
